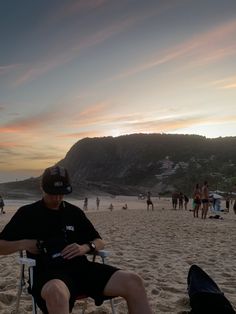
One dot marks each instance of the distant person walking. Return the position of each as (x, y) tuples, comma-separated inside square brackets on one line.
[(234, 206), (227, 202), (186, 200), (196, 200), (181, 200), (111, 207), (205, 199), (149, 201), (2, 204), (174, 199), (85, 207), (97, 202)]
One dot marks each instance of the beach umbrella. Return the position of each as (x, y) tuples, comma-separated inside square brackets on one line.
[(216, 196)]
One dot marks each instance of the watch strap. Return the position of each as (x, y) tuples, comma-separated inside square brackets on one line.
[(92, 246)]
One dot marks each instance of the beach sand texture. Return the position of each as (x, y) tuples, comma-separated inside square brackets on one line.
[(159, 245)]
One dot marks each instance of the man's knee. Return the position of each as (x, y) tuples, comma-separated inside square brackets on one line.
[(123, 283), (132, 284), (134, 280), (55, 292)]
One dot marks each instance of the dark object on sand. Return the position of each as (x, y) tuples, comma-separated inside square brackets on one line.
[(205, 296)]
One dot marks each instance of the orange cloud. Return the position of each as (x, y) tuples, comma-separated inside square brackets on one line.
[(4, 145), (175, 123), (29, 123), (230, 86), (93, 110), (226, 83)]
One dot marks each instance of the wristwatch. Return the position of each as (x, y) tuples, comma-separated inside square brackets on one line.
[(92, 246)]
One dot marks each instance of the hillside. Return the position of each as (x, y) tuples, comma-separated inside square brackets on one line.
[(158, 162)]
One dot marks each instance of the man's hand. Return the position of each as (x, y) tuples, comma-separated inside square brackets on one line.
[(74, 249)]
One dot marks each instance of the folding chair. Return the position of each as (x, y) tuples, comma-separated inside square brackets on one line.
[(28, 264)]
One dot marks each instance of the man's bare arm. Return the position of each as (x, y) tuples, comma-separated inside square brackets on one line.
[(9, 247)]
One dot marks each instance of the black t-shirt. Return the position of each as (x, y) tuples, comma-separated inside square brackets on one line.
[(36, 221)]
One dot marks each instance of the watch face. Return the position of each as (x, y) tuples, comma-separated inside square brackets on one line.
[(92, 246)]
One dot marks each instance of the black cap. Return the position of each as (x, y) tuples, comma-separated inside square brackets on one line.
[(55, 180)]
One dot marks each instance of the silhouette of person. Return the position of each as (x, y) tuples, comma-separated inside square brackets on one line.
[(97, 202), (85, 207), (149, 201), (2, 204)]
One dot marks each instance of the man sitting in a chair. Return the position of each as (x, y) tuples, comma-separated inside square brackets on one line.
[(59, 235)]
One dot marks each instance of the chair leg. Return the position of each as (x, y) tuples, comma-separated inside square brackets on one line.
[(112, 306), (20, 287), (34, 305), (84, 308)]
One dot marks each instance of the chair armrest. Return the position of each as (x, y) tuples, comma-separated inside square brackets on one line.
[(103, 253), (32, 262), (27, 261)]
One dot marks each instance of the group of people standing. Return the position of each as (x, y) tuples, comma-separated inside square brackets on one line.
[(201, 197), (179, 200), (85, 206)]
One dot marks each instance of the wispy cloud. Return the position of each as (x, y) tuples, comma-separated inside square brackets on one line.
[(32, 122), (34, 71), (175, 123), (9, 67), (11, 144), (230, 86), (96, 37), (72, 8), (208, 45), (93, 110), (225, 83)]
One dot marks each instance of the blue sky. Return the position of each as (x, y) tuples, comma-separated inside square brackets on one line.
[(86, 68)]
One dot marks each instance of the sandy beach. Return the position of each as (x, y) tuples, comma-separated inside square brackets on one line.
[(159, 245)]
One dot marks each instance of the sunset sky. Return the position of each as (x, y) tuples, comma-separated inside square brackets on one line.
[(84, 68)]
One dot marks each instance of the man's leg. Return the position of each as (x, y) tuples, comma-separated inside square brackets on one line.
[(56, 295), (205, 210), (129, 286)]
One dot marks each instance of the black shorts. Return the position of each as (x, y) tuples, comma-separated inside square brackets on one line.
[(88, 279)]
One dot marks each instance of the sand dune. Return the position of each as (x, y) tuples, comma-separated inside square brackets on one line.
[(160, 245)]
